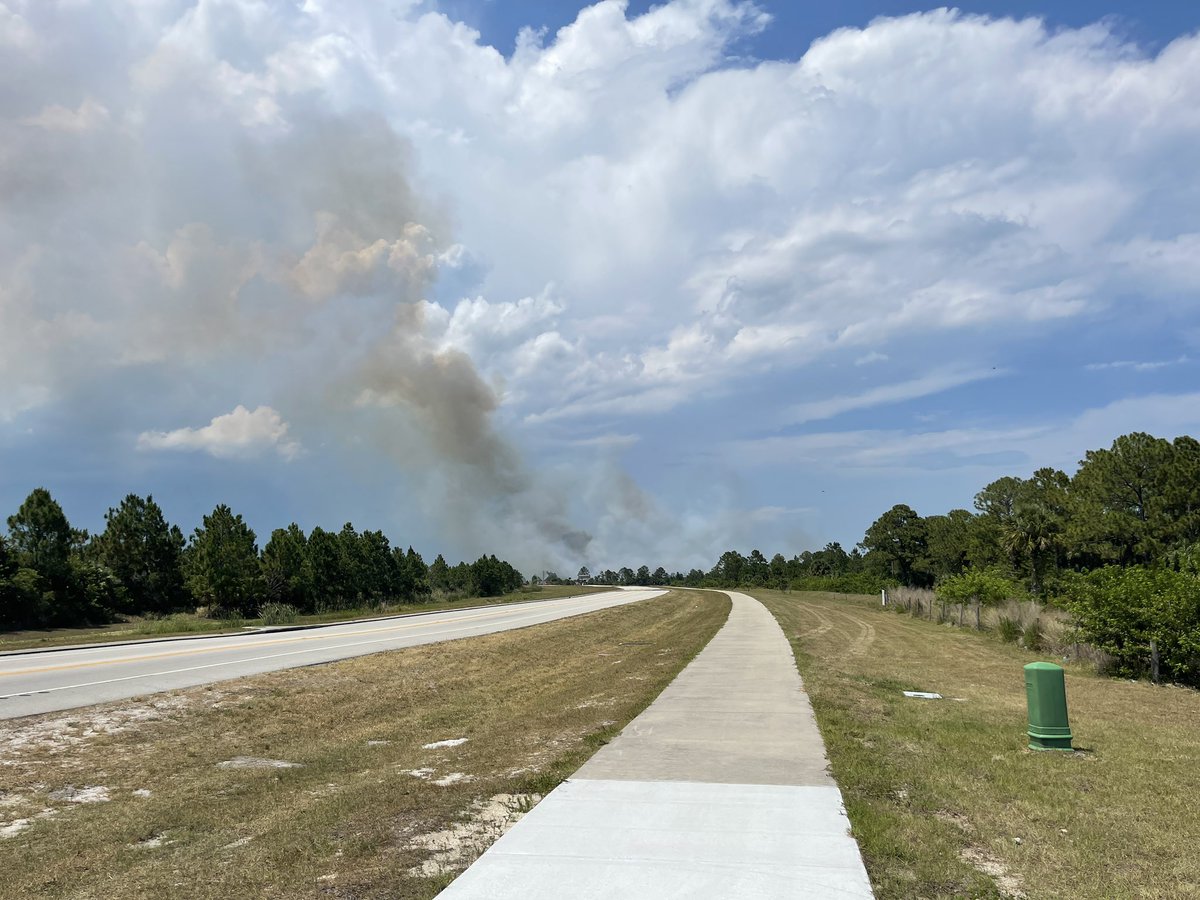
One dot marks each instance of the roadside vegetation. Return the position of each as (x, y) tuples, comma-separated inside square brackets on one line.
[(189, 623), (1114, 549), (944, 796), (346, 780), (55, 576)]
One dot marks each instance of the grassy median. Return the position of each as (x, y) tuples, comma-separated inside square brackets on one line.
[(944, 796), (183, 624), (344, 780)]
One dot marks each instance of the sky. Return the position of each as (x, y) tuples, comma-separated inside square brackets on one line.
[(602, 285)]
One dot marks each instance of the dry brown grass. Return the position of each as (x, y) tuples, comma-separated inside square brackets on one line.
[(944, 796), (361, 812), (1057, 631)]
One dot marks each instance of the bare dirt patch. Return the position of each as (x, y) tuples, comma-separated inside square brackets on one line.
[(452, 849), (1010, 885), (256, 762), (34, 737)]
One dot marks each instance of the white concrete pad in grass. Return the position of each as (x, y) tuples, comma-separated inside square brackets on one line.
[(659, 839)]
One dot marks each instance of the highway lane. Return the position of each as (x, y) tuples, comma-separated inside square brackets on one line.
[(34, 683)]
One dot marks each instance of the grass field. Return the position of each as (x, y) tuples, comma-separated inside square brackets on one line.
[(318, 781), (944, 796), (190, 624)]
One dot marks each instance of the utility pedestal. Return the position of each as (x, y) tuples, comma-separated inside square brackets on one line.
[(1046, 693)]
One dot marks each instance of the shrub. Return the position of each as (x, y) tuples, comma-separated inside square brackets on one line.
[(278, 614), (1008, 629), (1032, 636), (1121, 610), (982, 587)]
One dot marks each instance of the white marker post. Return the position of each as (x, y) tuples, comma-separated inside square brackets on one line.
[(883, 597)]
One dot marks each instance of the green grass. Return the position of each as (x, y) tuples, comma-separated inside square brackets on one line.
[(182, 624), (945, 798), (350, 819)]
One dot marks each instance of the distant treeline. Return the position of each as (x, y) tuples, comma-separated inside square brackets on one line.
[(830, 569), (54, 575), (1117, 544)]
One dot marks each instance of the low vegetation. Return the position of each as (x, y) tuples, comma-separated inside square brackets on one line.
[(944, 796), (379, 776), (1116, 544)]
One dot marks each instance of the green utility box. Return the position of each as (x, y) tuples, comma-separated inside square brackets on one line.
[(1046, 693)]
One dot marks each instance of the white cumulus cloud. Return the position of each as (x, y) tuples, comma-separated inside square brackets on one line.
[(242, 432)]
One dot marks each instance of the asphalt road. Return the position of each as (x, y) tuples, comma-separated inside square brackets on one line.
[(32, 683)]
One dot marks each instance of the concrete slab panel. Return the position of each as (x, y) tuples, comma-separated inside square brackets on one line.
[(666, 839)]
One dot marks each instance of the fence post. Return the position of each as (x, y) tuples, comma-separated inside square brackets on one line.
[(1153, 660)]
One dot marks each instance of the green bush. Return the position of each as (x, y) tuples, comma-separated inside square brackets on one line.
[(1121, 610), (1032, 636), (278, 614), (981, 587), (1008, 629)]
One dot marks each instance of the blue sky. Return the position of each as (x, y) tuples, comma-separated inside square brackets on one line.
[(796, 24), (602, 285)]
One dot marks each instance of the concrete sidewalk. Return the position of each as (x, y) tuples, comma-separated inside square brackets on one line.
[(718, 790)]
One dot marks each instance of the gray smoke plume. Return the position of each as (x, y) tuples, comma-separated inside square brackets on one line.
[(483, 490), (373, 259)]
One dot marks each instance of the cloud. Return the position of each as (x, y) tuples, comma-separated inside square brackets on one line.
[(418, 245), (1005, 448), (1144, 366), (933, 383), (87, 116), (873, 357), (241, 433)]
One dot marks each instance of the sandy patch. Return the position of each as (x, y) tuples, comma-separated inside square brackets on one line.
[(151, 843), (598, 701), (15, 827), (1010, 885), (456, 847), (453, 778), (12, 829), (60, 733), (420, 773), (438, 745), (72, 794), (256, 762)]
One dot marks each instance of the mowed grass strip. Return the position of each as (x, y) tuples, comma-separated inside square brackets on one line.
[(184, 624), (944, 797), (359, 810)]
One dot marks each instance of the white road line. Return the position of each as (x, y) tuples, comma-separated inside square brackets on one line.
[(236, 662), (246, 643)]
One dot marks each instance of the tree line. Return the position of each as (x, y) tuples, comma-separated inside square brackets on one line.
[(831, 569), (1117, 544), (52, 574), (1134, 504)]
